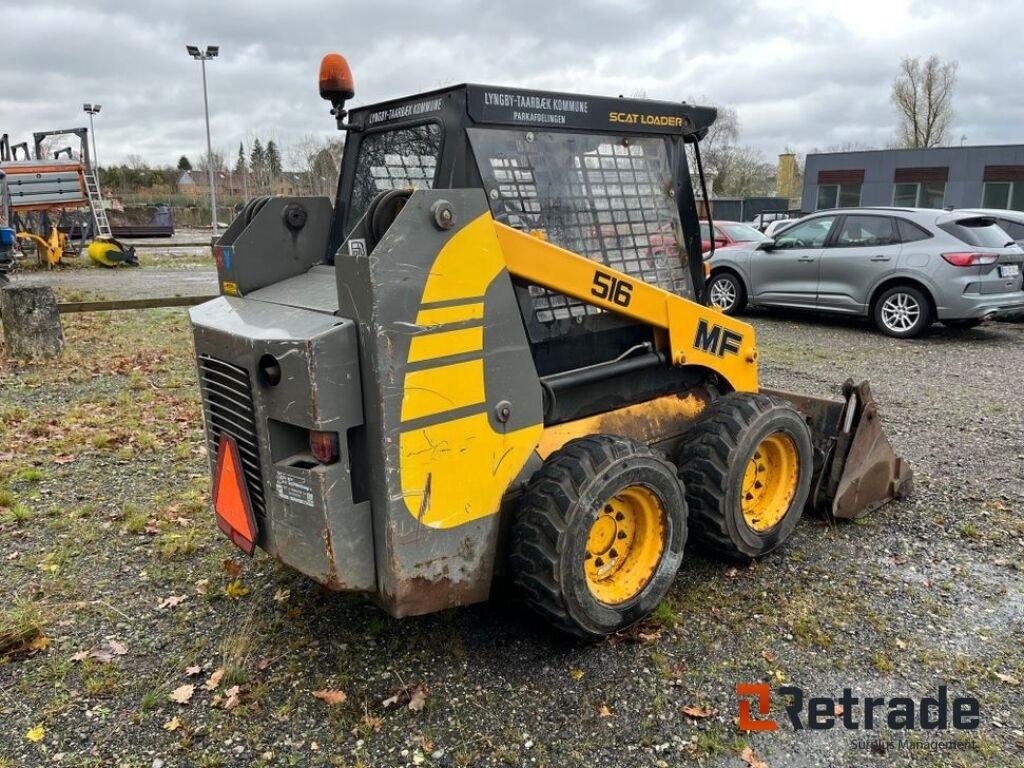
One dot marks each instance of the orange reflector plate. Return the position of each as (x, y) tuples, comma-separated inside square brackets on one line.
[(231, 497)]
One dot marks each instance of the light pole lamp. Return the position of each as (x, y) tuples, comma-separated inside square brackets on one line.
[(91, 110), (202, 57)]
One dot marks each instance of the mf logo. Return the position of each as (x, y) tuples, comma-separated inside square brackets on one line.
[(716, 340), (762, 693)]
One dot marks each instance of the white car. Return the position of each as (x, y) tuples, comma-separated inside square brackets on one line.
[(779, 224)]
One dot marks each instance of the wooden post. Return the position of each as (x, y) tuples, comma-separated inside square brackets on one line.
[(31, 322)]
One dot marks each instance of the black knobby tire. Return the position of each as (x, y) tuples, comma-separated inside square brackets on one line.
[(915, 298), (713, 459), (549, 537), (733, 287)]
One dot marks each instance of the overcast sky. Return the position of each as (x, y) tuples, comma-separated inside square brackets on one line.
[(802, 75)]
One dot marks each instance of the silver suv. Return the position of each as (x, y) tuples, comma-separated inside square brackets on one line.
[(902, 267)]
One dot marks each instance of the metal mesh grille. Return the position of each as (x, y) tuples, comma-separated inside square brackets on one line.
[(227, 403), (395, 159), (597, 196)]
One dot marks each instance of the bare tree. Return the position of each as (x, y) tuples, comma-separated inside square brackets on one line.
[(319, 160), (743, 172), (218, 163), (923, 97)]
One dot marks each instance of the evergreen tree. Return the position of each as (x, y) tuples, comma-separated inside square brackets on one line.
[(184, 164), (258, 165), (273, 161), (240, 166)]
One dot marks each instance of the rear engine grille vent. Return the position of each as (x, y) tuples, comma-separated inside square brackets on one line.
[(227, 403)]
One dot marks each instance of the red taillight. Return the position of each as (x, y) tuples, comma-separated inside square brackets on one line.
[(970, 259), (324, 446)]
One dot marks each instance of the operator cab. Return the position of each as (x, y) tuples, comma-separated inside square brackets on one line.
[(603, 177)]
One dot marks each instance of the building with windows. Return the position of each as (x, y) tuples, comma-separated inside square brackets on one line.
[(941, 177)]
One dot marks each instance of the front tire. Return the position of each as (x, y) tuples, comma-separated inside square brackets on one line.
[(726, 291), (746, 466), (902, 312), (599, 536)]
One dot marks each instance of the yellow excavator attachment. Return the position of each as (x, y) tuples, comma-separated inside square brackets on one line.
[(111, 253)]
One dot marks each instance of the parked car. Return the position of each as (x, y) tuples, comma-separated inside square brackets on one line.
[(728, 233), (1011, 222), (777, 226), (902, 267), (762, 220)]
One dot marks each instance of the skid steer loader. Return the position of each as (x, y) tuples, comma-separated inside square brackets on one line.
[(492, 356)]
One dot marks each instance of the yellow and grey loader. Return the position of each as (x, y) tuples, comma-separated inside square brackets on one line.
[(491, 356)]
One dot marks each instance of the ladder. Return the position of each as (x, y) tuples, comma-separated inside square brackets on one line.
[(92, 189)]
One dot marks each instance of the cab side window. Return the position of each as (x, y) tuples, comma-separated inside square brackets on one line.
[(866, 232), (809, 234)]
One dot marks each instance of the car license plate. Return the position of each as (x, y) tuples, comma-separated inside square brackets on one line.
[(1009, 270)]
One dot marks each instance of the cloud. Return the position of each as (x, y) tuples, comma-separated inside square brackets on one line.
[(800, 75)]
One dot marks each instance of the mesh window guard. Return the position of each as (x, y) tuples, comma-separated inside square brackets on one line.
[(598, 196)]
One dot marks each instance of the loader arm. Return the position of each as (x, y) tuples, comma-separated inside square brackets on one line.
[(691, 334)]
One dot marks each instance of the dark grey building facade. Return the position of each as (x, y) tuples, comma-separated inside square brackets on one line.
[(943, 177)]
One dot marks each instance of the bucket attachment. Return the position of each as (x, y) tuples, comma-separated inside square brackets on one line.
[(856, 470)]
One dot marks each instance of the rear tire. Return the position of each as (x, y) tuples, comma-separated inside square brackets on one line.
[(902, 312), (726, 291), (746, 466), (594, 497)]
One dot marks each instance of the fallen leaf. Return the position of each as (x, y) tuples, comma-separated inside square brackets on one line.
[(1008, 679), (576, 674), (35, 734), (182, 694), (900, 644), (699, 713), (838, 710), (767, 655), (414, 696), (232, 567), (263, 664), (116, 648), (418, 699), (215, 679), (232, 699), (331, 697), (749, 756), (282, 595), (202, 586), (64, 458), (172, 725), (236, 589), (172, 602), (193, 671), (603, 711), (732, 573), (80, 655)]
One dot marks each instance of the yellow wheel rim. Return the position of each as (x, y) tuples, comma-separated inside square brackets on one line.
[(625, 545), (770, 481)]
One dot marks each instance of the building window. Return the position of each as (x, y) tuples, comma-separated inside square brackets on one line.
[(838, 196), (924, 194), (1003, 194)]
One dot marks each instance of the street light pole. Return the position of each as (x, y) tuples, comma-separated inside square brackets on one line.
[(202, 57), (93, 109)]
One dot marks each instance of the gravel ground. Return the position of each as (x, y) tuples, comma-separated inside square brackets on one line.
[(105, 518)]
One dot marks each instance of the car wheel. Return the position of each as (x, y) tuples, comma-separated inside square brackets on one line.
[(726, 292), (963, 325), (902, 312)]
